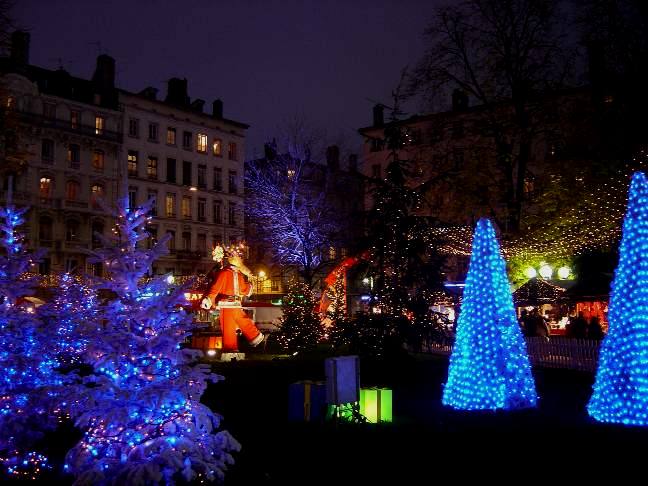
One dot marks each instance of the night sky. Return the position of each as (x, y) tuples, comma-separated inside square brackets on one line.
[(324, 62)]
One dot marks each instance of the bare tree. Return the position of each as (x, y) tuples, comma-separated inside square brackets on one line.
[(505, 54), (288, 206)]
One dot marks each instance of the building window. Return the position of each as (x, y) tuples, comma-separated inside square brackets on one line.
[(186, 207), (72, 189), (97, 192), (202, 176), (231, 214), (132, 198), (375, 171), (233, 189), (152, 168), (218, 179), (218, 212), (217, 147), (47, 150), (49, 110), (171, 136), (98, 160), (74, 156), (152, 237), (97, 230), (171, 170), (186, 140), (231, 152), (201, 143), (45, 229), (457, 129), (202, 244), (153, 132), (186, 241), (202, 204), (72, 230), (170, 204), (132, 163), (45, 187), (152, 196), (75, 118), (186, 173), (99, 125), (133, 127), (458, 155), (172, 243)]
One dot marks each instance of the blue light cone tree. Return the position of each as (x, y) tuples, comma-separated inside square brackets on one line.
[(140, 409), (621, 386), (489, 366)]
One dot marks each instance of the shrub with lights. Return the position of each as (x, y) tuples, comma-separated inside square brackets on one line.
[(29, 383), (301, 327), (140, 411), (621, 386), (489, 366)]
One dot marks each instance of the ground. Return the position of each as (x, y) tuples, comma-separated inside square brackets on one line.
[(425, 440)]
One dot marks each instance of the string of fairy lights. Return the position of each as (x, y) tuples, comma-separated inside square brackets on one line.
[(594, 223)]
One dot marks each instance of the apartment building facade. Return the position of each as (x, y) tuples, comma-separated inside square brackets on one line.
[(67, 132), (191, 164)]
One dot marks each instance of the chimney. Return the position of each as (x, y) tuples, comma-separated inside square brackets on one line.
[(197, 105), (333, 157), (149, 93), (104, 75), (378, 115), (353, 163), (459, 100), (217, 108), (20, 47), (177, 92)]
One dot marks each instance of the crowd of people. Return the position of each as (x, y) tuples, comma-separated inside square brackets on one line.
[(534, 324)]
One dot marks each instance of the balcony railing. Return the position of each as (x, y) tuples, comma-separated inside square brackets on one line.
[(88, 130)]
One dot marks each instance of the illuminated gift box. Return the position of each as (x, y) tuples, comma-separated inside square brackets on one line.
[(376, 404), (342, 379), (206, 341), (307, 401)]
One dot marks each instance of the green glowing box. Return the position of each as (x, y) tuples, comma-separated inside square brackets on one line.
[(376, 404)]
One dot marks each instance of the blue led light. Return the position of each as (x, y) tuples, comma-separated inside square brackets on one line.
[(621, 387), (489, 367)]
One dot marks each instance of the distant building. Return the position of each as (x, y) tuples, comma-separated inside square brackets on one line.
[(191, 163), (81, 140), (69, 134)]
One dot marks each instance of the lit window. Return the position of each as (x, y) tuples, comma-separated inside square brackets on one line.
[(10, 102), (152, 168), (45, 187), (99, 125), (217, 147), (98, 160), (72, 189), (232, 152), (201, 143), (132, 163), (186, 207), (170, 204), (171, 136), (97, 193), (75, 116)]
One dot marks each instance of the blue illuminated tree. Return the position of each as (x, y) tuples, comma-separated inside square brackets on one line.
[(140, 408), (489, 366), (621, 386), (29, 384)]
